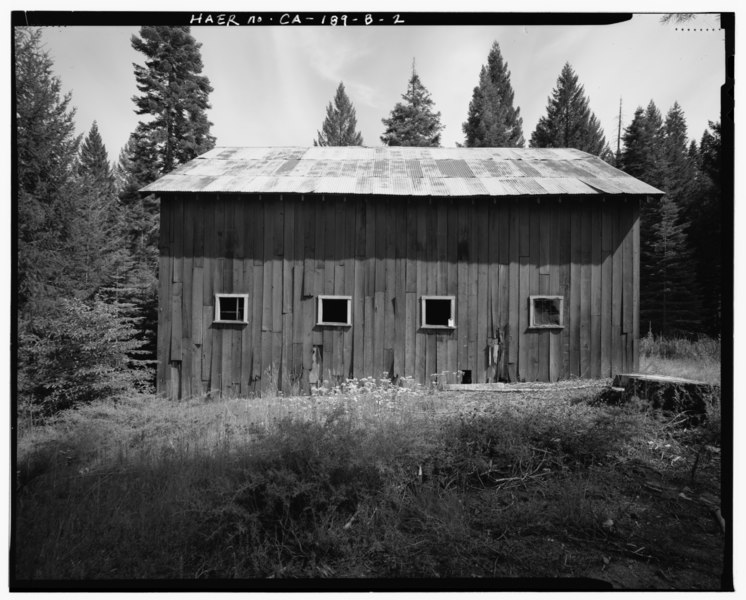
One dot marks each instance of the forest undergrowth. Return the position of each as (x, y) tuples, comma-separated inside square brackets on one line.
[(372, 480)]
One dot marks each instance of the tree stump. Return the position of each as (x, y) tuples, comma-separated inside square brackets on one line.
[(668, 394)]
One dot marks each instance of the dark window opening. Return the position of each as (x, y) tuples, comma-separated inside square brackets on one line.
[(334, 310), (438, 312), (466, 376), (546, 311), (230, 308)]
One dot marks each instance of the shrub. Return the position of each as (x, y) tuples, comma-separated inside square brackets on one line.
[(289, 496), (78, 353)]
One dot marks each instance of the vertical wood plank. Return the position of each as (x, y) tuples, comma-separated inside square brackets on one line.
[(533, 285), (546, 233), (482, 240), (471, 290), (358, 321), (462, 299), (208, 335), (210, 258), (493, 264), (164, 319), (236, 213), (247, 278), (431, 366), (309, 252), (556, 288), (410, 334), (596, 259), (370, 247), (289, 235), (514, 299), (411, 247), (400, 276), (606, 289), (585, 292), (368, 337), (452, 283), (390, 286), (378, 316), (197, 332), (564, 210), (635, 366), (348, 288), (287, 373), (257, 318), (177, 234), (216, 357), (186, 307), (616, 294), (176, 336), (627, 283), (268, 264), (575, 288), (308, 308)]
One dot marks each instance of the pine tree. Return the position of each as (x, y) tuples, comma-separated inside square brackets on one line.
[(679, 169), (137, 166), (96, 245), (174, 97), (94, 161), (173, 94), (72, 347), (492, 120), (641, 158), (340, 125), (569, 122), (657, 153), (670, 278), (46, 150), (413, 122), (642, 139), (704, 212)]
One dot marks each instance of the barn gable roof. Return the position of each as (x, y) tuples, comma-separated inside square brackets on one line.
[(401, 171)]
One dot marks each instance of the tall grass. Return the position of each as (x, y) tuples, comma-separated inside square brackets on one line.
[(369, 480), (678, 357)]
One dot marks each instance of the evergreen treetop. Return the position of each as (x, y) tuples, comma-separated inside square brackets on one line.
[(340, 125), (173, 94), (94, 161), (413, 122), (642, 153), (492, 120), (680, 170), (569, 122)]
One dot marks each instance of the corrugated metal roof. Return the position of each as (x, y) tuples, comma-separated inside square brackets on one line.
[(401, 171)]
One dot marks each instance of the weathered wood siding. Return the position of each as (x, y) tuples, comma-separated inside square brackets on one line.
[(492, 254)]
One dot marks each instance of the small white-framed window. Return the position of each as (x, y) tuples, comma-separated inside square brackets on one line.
[(438, 312), (231, 308), (334, 310), (546, 312)]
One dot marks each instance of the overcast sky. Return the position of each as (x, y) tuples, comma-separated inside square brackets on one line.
[(272, 84)]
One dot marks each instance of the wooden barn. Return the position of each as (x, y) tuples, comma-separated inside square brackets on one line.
[(297, 265)]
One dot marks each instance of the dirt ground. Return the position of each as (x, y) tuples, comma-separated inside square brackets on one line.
[(670, 538)]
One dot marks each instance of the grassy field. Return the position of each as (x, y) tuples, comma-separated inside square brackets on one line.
[(372, 480), (697, 360)]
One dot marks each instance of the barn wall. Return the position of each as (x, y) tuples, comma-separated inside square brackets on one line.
[(386, 253)]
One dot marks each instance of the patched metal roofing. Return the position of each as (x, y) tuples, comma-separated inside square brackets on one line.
[(401, 171)]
